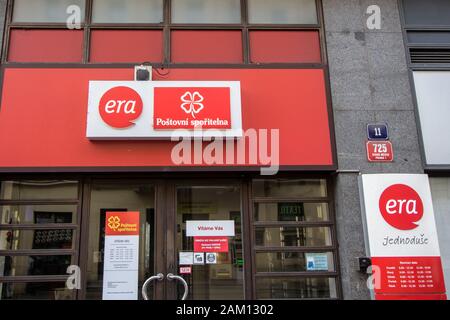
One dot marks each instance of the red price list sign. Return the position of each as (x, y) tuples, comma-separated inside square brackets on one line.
[(409, 275)]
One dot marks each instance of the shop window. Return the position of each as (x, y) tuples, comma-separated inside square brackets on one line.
[(290, 188), (291, 211), (38, 190), (426, 13), (35, 291), (440, 191), (282, 12), (433, 106), (45, 11), (245, 32), (296, 288), (35, 265), (206, 11), (39, 226), (427, 27), (288, 261), (134, 46), (127, 11), (38, 214), (206, 46), (293, 244), (284, 47), (429, 37), (45, 46), (286, 236), (39, 239)]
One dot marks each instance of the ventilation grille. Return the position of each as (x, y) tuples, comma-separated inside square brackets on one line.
[(430, 55)]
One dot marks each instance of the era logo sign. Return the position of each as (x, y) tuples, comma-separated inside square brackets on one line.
[(120, 107), (401, 207)]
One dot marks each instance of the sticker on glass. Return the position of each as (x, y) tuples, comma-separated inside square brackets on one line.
[(186, 258), (211, 258), (199, 258)]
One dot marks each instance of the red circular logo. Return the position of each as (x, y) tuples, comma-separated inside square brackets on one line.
[(120, 106), (401, 207)]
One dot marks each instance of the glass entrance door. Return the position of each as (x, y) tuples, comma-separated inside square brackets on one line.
[(188, 246), (208, 242), (118, 264)]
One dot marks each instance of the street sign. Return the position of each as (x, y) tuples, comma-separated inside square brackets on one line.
[(377, 132), (380, 151)]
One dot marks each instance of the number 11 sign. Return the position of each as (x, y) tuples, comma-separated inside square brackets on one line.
[(377, 132), (380, 151)]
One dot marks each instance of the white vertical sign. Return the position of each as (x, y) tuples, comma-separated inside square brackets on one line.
[(121, 259)]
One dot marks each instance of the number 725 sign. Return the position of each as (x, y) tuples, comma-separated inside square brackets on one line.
[(380, 151)]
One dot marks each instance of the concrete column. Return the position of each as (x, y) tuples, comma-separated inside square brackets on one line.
[(370, 84)]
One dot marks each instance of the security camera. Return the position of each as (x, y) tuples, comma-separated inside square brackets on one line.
[(142, 73), (364, 264)]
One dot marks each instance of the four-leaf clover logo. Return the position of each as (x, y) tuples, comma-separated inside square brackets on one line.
[(192, 103), (114, 222)]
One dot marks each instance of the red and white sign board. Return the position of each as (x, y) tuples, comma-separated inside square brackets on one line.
[(139, 110), (121, 259), (401, 236), (190, 108), (380, 151), (211, 244)]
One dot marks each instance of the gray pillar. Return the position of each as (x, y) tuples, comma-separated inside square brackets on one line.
[(369, 84)]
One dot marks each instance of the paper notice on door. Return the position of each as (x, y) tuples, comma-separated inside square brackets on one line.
[(121, 260), (186, 258)]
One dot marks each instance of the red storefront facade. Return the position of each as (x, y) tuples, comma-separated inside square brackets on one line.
[(55, 180)]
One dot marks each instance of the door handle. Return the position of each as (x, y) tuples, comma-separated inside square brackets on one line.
[(159, 277), (171, 277)]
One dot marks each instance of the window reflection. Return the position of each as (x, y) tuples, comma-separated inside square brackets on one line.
[(36, 291), (296, 288), (38, 214), (292, 211), (292, 237), (44, 10), (11, 266), (127, 11), (290, 262), (282, 11), (36, 239), (290, 188), (38, 190), (35, 228), (206, 11)]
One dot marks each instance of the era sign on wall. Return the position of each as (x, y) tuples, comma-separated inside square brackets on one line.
[(401, 236), (164, 109)]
